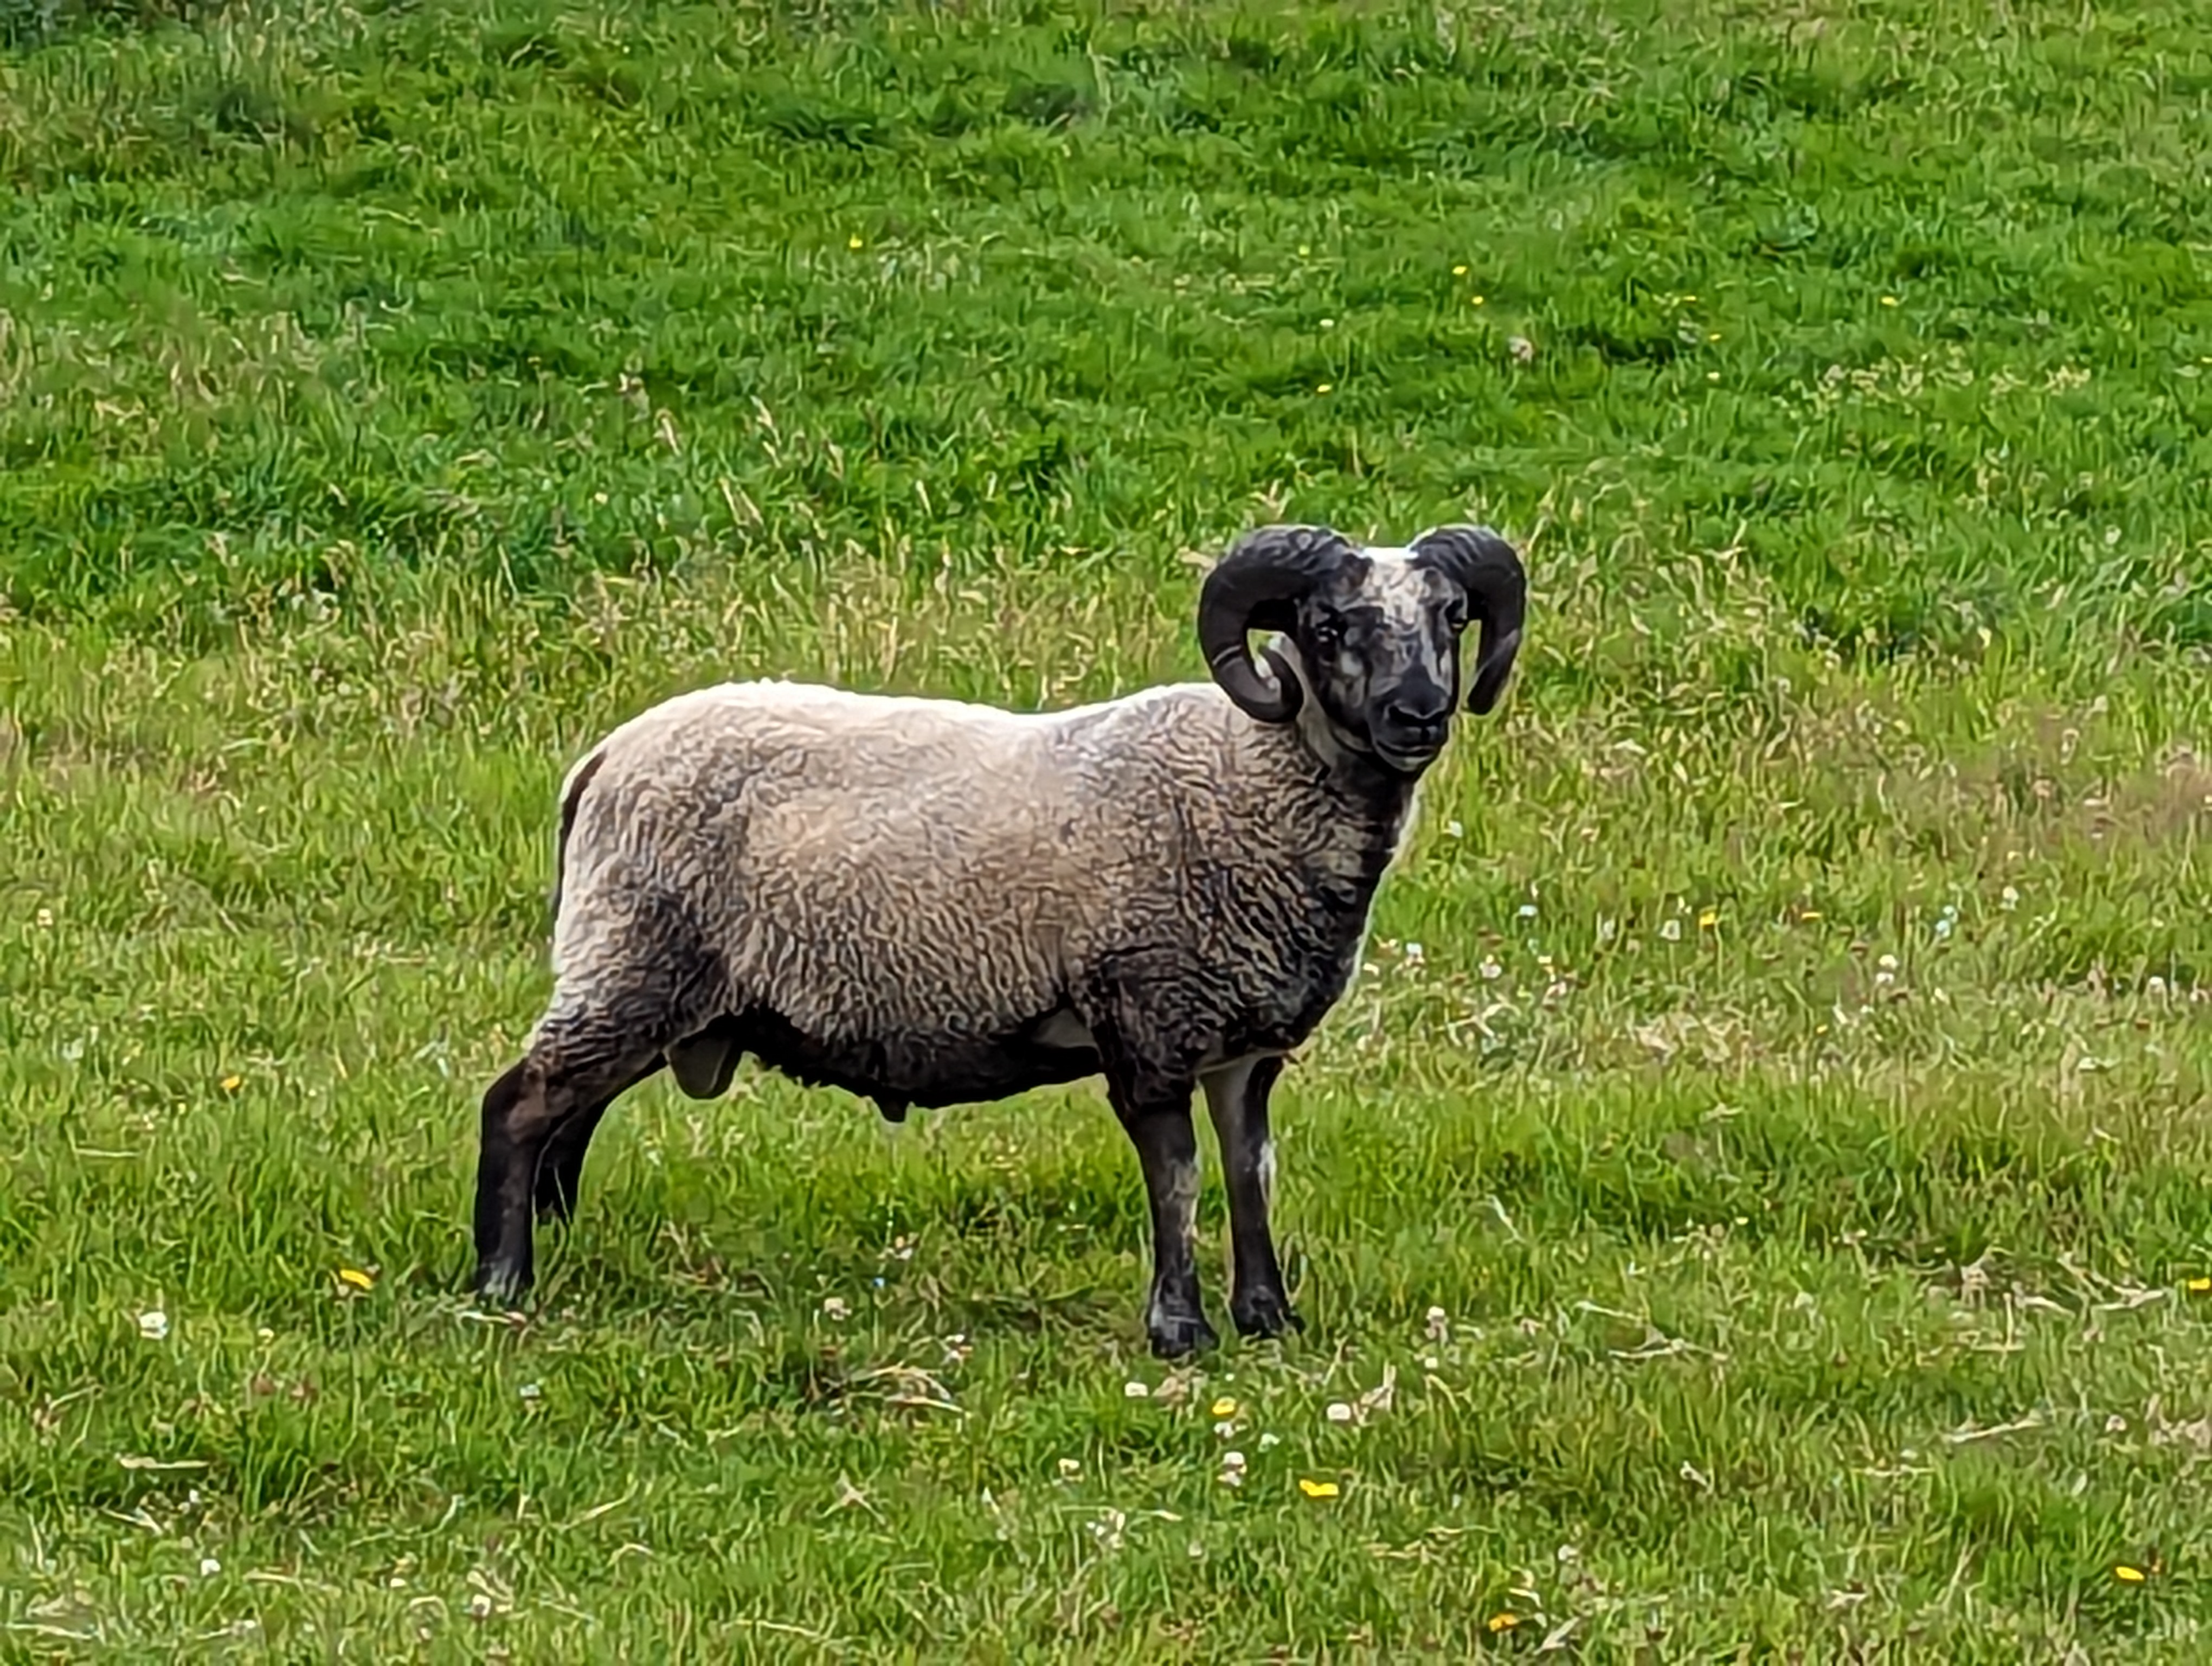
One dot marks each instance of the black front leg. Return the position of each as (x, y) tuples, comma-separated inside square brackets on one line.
[(1237, 1098), (1151, 1074), (1167, 1147)]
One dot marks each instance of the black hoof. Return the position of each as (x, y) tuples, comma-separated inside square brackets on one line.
[(1181, 1336), (1264, 1314)]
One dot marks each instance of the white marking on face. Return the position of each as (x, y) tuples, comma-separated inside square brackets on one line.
[(1406, 593)]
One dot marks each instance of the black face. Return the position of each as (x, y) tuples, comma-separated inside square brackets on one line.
[(1379, 640)]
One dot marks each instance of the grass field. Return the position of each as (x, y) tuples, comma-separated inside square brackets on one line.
[(1753, 1206)]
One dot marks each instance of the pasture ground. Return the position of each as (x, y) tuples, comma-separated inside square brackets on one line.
[(1748, 1209)]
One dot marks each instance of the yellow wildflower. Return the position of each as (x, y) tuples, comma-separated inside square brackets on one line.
[(1504, 1621), (1224, 1406), (356, 1278), (1318, 1489), (2129, 1576), (232, 1084)]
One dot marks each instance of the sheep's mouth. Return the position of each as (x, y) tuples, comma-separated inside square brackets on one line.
[(1407, 761)]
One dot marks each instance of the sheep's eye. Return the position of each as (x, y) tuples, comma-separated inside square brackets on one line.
[(1327, 632), (1456, 619)]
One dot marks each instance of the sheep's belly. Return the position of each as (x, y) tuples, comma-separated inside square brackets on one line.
[(929, 1071)]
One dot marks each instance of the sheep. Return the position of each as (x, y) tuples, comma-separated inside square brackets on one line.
[(930, 902)]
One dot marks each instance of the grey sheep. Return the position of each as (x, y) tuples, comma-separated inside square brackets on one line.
[(930, 902)]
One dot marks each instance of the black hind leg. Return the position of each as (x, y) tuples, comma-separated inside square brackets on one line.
[(561, 1165), (536, 1097)]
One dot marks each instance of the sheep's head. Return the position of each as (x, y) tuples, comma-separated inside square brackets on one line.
[(1375, 632)]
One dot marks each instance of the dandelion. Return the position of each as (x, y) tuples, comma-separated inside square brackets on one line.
[(232, 1084), (853, 242), (1708, 918), (1304, 250), (2198, 1287), (1323, 387), (1712, 335), (1475, 301), (1318, 1489), (1889, 300), (1329, 324), (1504, 1621), (154, 1326), (1224, 1406), (356, 1278), (1712, 375), (1459, 272), (2129, 1576), (1808, 914)]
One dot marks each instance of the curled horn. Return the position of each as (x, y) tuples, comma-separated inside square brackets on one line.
[(1489, 571), (1255, 587)]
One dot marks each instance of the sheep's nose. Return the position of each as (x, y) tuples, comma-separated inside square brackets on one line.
[(1421, 723)]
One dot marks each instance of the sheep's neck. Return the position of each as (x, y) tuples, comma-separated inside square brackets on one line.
[(1369, 807)]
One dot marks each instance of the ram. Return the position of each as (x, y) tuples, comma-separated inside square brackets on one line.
[(929, 903)]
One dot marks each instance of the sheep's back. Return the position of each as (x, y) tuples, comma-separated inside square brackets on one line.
[(875, 867)]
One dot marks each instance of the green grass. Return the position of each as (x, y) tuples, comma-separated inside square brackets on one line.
[(1796, 1102)]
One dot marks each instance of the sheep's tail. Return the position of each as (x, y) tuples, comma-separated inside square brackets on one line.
[(571, 795)]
